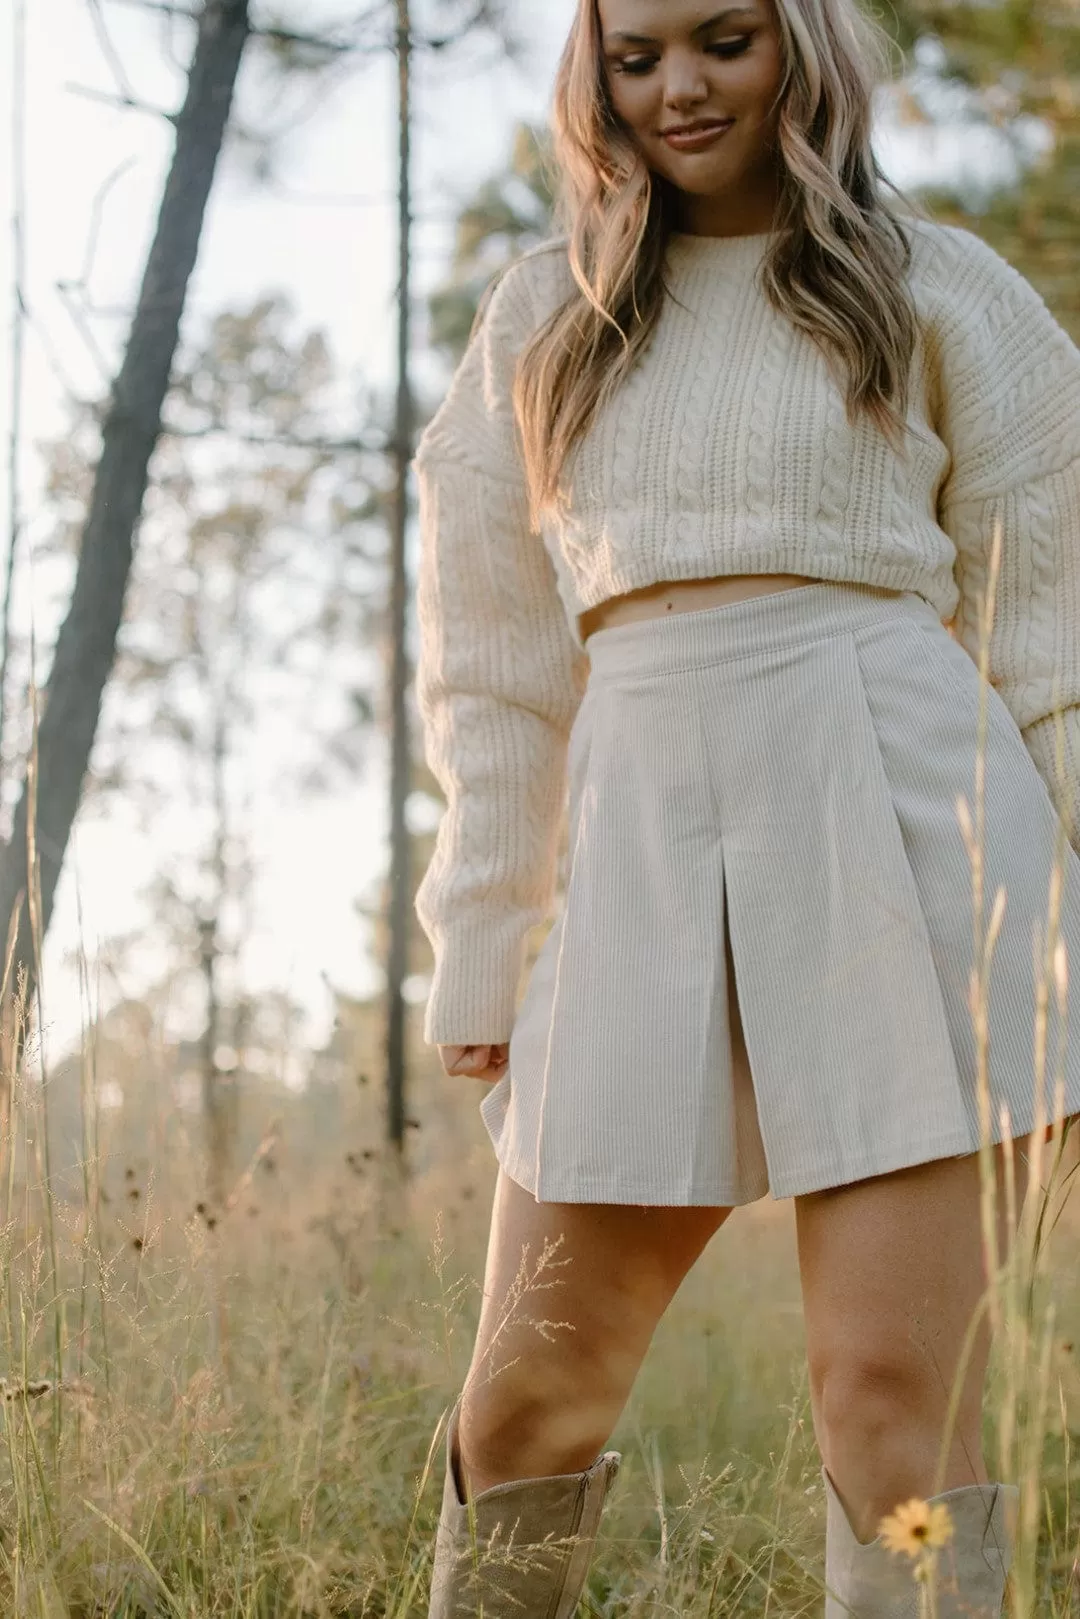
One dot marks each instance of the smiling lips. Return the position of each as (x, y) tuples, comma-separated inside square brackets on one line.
[(695, 137)]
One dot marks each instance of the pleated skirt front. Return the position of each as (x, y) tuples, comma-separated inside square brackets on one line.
[(785, 770)]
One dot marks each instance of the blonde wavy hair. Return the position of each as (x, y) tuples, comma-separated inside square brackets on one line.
[(835, 265)]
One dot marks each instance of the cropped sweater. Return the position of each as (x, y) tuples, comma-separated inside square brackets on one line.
[(727, 450)]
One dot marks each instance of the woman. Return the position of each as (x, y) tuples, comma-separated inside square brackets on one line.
[(712, 482)]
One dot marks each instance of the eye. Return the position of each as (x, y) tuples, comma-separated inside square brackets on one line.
[(636, 66), (633, 65), (732, 47)]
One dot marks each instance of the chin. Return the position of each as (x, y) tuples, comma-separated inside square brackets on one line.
[(699, 183)]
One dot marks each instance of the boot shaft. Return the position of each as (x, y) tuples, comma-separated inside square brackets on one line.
[(520, 1549), (867, 1581)]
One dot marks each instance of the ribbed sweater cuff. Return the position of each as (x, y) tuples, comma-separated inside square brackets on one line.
[(473, 996), (1063, 785)]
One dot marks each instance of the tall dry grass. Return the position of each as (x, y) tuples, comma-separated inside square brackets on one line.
[(233, 1414)]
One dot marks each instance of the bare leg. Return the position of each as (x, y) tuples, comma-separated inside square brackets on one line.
[(542, 1402), (543, 1398), (892, 1274), (615, 1270)]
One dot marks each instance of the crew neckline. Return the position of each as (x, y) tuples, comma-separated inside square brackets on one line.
[(718, 241)]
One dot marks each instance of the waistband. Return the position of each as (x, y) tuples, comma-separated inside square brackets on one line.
[(739, 629)]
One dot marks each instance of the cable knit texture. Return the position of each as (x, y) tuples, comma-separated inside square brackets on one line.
[(727, 451)]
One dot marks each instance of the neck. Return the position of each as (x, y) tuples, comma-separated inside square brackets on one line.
[(750, 212)]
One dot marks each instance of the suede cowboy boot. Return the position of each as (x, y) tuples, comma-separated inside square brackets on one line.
[(533, 1544), (866, 1581)]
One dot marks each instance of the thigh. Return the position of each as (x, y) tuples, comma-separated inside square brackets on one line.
[(893, 1271), (579, 1287)]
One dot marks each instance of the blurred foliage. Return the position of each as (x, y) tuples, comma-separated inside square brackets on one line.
[(1022, 59), (510, 213)]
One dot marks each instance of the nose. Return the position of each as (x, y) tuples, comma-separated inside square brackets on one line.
[(685, 84)]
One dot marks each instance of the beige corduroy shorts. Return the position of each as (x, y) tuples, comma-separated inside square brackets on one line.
[(787, 768)]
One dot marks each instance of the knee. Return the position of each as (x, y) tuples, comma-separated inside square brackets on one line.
[(881, 1414), (864, 1395), (549, 1407), (545, 1398), (528, 1431), (879, 1399)]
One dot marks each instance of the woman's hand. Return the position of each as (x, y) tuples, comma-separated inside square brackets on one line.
[(478, 1062)]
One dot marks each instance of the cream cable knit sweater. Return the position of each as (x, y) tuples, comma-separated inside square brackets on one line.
[(726, 451)]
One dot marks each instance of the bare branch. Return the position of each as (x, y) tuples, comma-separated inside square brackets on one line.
[(170, 32), (485, 14), (347, 41), (109, 51), (120, 101), (75, 294), (96, 212), (76, 307), (41, 331), (310, 107), (170, 15), (330, 446), (343, 43), (347, 37), (286, 36), (163, 7)]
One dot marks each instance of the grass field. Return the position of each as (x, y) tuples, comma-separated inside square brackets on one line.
[(234, 1418)]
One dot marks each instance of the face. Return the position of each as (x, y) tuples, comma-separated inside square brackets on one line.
[(695, 82)]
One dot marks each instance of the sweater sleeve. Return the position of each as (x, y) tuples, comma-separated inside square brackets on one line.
[(1011, 420), (499, 680)]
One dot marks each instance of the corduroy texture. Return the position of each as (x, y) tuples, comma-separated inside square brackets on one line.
[(866, 1581), (787, 768), (527, 1554), (726, 451)]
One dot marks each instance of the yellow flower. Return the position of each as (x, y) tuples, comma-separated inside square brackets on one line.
[(916, 1525)]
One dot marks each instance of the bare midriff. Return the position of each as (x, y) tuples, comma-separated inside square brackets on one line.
[(688, 595), (684, 596)]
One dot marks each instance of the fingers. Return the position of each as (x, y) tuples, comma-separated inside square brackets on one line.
[(473, 1060), (498, 1064), (476, 1062)]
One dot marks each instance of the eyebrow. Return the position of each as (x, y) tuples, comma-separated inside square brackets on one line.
[(701, 28)]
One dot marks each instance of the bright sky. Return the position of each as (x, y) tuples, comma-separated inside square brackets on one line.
[(336, 257)]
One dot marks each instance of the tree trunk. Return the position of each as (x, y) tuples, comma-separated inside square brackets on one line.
[(86, 646), (400, 749), (217, 1109), (18, 328), (215, 1130)]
